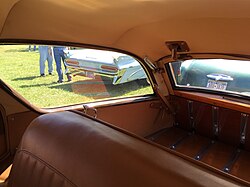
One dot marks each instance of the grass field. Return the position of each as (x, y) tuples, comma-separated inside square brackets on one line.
[(20, 69)]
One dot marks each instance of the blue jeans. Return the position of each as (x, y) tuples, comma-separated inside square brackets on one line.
[(45, 55), (59, 58)]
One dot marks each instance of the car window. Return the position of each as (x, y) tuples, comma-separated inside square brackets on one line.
[(232, 76), (52, 76)]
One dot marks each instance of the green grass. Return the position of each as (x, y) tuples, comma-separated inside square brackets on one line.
[(20, 69)]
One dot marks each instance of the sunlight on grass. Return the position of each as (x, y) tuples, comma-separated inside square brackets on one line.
[(20, 69)]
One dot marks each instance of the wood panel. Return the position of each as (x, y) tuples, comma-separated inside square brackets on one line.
[(216, 100), (229, 126), (192, 145), (181, 116), (242, 166), (218, 155), (203, 119), (215, 135), (247, 140), (170, 137)]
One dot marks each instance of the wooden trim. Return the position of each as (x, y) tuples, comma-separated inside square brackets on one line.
[(214, 100)]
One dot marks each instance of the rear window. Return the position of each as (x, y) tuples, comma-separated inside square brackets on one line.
[(231, 76)]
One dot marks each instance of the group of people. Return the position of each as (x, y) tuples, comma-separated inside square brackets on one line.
[(46, 55)]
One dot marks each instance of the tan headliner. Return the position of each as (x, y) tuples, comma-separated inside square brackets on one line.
[(138, 26)]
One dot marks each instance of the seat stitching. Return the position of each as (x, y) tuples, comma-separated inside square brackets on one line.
[(47, 165)]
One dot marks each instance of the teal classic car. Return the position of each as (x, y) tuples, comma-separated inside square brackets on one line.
[(213, 74)]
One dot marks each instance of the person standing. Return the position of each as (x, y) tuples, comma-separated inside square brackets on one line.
[(59, 58), (33, 49), (45, 54)]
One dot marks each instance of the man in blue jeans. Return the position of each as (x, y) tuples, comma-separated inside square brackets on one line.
[(45, 54), (59, 58)]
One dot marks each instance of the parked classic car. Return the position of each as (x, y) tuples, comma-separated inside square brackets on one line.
[(120, 68), (219, 74), (173, 132)]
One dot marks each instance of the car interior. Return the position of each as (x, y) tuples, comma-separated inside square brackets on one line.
[(171, 135)]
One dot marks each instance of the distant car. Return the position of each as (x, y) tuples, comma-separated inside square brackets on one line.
[(218, 74), (120, 68)]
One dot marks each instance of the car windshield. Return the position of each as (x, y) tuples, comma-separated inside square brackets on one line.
[(232, 76)]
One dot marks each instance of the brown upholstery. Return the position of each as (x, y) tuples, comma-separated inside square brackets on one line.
[(66, 149)]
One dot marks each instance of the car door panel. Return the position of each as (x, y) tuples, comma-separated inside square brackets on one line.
[(3, 134), (15, 116), (141, 118), (17, 123)]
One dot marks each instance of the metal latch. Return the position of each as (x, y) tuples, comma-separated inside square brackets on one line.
[(153, 65), (243, 127), (177, 47), (191, 114), (215, 115), (90, 111)]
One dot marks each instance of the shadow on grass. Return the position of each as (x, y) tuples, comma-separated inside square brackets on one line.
[(37, 85), (52, 85), (19, 50), (63, 86), (125, 88), (112, 90), (25, 78)]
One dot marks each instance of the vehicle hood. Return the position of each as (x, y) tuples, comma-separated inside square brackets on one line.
[(140, 27)]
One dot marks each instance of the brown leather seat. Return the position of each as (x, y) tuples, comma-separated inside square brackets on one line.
[(67, 150)]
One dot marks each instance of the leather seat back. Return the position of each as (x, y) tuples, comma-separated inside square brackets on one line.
[(67, 150)]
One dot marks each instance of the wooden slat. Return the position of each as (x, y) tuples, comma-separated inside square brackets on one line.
[(241, 167), (229, 126), (218, 155), (203, 119), (192, 145), (170, 137), (181, 117)]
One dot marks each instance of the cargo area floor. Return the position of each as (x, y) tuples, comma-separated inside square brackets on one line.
[(229, 159)]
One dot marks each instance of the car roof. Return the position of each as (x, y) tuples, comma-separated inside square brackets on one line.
[(140, 27)]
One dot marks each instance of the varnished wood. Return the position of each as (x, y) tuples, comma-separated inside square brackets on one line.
[(192, 145), (181, 110), (247, 140), (203, 119), (215, 100), (170, 137), (218, 155), (229, 126), (242, 166), (214, 135)]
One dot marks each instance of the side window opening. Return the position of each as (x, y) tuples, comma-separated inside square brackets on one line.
[(54, 76), (221, 75)]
